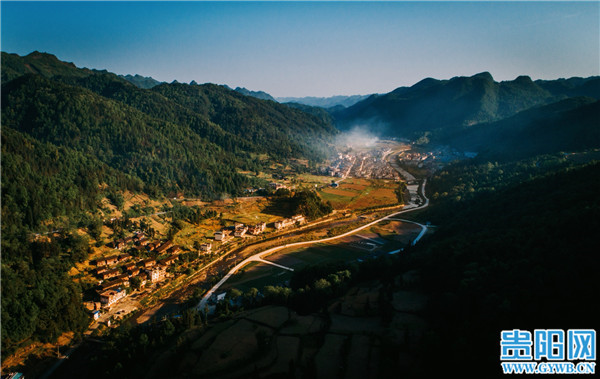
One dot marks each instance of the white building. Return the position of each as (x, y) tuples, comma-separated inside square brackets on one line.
[(108, 298), (222, 235)]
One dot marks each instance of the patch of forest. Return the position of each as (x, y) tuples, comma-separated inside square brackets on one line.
[(516, 252)]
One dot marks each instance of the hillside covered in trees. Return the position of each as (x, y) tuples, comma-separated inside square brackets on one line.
[(518, 251), (74, 136), (174, 137), (450, 111)]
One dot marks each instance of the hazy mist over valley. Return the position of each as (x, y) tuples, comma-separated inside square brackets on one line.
[(299, 189)]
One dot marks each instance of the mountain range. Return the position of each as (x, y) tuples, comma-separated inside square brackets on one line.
[(339, 101), (450, 111), (502, 120), (521, 117), (331, 103), (195, 139), (257, 94), (172, 138)]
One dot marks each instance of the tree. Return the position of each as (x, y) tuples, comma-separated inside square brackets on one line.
[(168, 328), (135, 282), (95, 229), (234, 293), (250, 296), (143, 342), (116, 199), (400, 192)]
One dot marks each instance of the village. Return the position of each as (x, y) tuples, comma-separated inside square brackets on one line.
[(369, 164), (435, 158), (137, 263)]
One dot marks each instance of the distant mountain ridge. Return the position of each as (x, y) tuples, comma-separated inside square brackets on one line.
[(324, 102), (144, 82), (257, 94), (441, 109)]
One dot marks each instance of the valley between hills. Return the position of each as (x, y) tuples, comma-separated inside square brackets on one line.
[(183, 230)]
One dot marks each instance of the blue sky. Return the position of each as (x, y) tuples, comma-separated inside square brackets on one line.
[(312, 48)]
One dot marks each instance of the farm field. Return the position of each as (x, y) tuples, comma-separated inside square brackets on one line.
[(351, 341), (355, 193)]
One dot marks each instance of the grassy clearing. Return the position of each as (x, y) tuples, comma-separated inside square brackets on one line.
[(375, 197), (341, 192), (337, 201)]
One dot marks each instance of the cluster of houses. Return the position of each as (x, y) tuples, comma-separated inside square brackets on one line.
[(139, 239), (116, 272), (436, 159), (287, 222), (239, 230), (340, 167), (417, 156)]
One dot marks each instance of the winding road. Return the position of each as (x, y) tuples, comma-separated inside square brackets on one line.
[(260, 256)]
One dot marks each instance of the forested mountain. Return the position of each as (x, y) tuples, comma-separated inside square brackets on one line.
[(258, 94), (72, 136), (567, 125), (440, 109), (209, 129), (166, 156), (318, 112), (273, 128)]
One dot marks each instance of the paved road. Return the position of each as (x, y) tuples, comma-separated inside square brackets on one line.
[(259, 256)]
